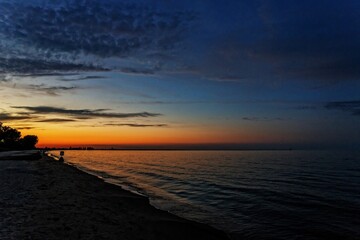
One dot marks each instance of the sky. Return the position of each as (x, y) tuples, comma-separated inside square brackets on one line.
[(166, 72)]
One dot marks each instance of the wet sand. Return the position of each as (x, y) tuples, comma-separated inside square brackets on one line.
[(45, 199)]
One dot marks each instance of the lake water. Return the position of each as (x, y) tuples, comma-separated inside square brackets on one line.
[(249, 194)]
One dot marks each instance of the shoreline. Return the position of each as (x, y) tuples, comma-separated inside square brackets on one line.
[(84, 170), (47, 199)]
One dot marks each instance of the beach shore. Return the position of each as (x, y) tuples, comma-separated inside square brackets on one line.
[(44, 199)]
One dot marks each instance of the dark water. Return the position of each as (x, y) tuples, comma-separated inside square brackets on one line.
[(249, 194)]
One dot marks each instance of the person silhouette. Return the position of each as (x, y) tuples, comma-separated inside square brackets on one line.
[(61, 159)]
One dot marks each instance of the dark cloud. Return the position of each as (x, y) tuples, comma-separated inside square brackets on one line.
[(162, 102), (25, 128), (57, 34), (37, 67), (291, 40), (12, 117), (45, 74), (135, 93), (257, 41), (81, 78), (250, 118), (48, 90), (39, 88), (256, 119), (347, 106), (226, 78), (129, 70), (135, 125), (84, 113), (306, 107), (57, 120)]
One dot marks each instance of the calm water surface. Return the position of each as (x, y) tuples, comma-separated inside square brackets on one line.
[(249, 194)]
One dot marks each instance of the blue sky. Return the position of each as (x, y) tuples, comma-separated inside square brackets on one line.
[(275, 72)]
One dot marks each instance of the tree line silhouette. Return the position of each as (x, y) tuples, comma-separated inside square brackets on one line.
[(10, 139)]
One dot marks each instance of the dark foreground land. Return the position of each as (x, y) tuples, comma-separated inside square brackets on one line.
[(45, 199)]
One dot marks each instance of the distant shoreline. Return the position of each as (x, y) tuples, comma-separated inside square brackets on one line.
[(168, 149)]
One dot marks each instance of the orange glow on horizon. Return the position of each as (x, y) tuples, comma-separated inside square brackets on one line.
[(66, 136)]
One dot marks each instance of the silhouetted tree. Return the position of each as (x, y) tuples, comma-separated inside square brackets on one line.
[(29, 142), (10, 138)]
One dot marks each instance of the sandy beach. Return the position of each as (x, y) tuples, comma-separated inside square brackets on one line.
[(45, 199)]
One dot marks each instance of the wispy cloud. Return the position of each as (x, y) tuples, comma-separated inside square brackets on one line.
[(257, 119), (38, 67), (57, 120), (46, 74), (135, 125), (307, 107), (41, 115), (162, 102), (138, 71), (25, 128), (45, 89), (48, 90), (13, 117), (84, 113), (347, 106), (82, 78)]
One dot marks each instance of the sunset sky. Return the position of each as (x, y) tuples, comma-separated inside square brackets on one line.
[(153, 72)]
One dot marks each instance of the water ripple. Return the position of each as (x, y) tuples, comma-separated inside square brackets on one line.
[(251, 195)]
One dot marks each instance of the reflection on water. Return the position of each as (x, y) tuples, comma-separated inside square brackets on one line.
[(250, 194)]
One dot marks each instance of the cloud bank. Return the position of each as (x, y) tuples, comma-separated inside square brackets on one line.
[(56, 115), (287, 40), (76, 35), (347, 106)]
